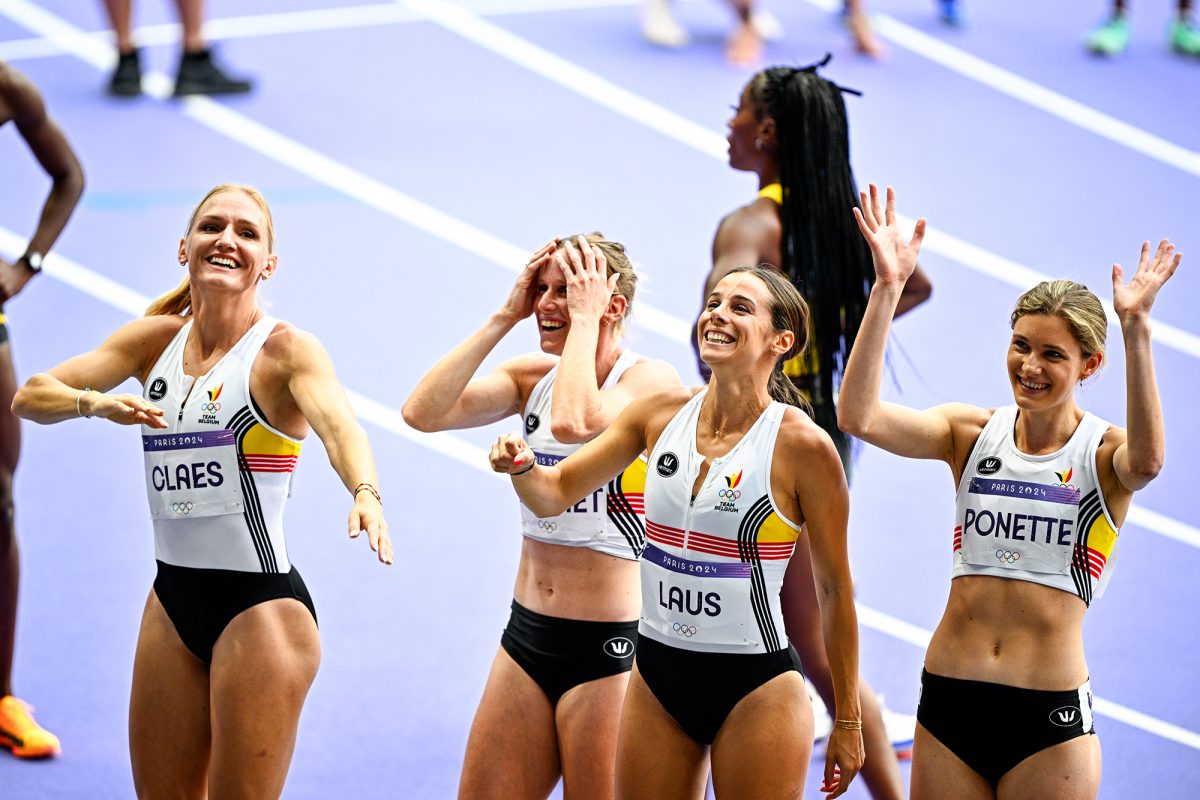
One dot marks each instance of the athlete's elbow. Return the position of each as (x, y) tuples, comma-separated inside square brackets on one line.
[(852, 421), (417, 419), (573, 431), (23, 400), (1146, 469)]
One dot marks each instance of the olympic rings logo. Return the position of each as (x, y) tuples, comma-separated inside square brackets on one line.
[(182, 508), (547, 525), (210, 407), (687, 631), (729, 494), (1010, 556)]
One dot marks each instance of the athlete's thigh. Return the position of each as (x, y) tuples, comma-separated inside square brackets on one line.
[(656, 760), (168, 712), (938, 774), (512, 751), (588, 717), (763, 748), (1067, 771), (10, 425), (262, 667)]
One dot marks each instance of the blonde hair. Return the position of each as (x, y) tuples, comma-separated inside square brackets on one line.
[(179, 300), (618, 263), (1075, 304)]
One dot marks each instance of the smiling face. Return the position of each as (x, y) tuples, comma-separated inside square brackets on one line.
[(550, 310), (1045, 362), (737, 324), (229, 242)]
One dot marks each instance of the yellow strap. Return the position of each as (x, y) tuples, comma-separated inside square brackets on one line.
[(3, 318), (772, 191)]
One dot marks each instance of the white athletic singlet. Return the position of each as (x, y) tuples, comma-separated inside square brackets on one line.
[(713, 565), (611, 518), (1035, 518), (218, 477)]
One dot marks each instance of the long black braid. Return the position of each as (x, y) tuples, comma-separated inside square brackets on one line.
[(824, 254)]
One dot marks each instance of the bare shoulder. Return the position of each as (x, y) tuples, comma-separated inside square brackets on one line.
[(291, 349), (151, 334), (656, 408), (759, 221), (526, 370), (802, 438), (1113, 438), (19, 98), (646, 369)]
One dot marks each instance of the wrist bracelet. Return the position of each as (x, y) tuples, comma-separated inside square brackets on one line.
[(848, 724), (78, 408), (366, 487), (532, 464)]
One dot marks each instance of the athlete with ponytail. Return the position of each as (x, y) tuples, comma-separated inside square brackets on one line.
[(790, 129), (736, 470), (228, 645), (1043, 488)]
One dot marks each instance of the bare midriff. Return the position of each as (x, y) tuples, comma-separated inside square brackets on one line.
[(577, 583), (1009, 631)]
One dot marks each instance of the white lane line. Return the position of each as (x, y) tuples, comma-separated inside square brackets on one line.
[(472, 455), (645, 112), (275, 146), (310, 21), (1028, 92)]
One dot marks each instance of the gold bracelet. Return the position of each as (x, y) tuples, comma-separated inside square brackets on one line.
[(848, 724)]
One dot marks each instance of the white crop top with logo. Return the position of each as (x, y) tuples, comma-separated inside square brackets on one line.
[(713, 565), (611, 518), (218, 477), (1035, 518)]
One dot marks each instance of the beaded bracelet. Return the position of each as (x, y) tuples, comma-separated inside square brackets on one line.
[(366, 487), (78, 408)]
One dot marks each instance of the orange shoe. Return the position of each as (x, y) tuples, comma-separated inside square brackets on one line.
[(21, 734)]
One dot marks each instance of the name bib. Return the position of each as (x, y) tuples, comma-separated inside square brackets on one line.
[(1036, 536), (584, 522), (192, 474), (697, 602)]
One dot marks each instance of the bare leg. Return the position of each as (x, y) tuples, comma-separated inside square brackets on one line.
[(10, 565), (656, 760), (588, 717), (1066, 771), (168, 713), (938, 774), (859, 25), (765, 744), (120, 15), (191, 18), (262, 668), (744, 47), (512, 751), (802, 614)]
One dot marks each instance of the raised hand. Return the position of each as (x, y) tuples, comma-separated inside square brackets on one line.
[(510, 455), (1133, 301), (521, 299), (895, 259), (589, 286), (367, 515)]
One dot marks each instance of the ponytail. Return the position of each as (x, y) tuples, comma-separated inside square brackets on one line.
[(177, 301), (784, 391)]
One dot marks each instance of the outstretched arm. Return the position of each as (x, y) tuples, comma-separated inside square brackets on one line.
[(1138, 460), (581, 410), (550, 490), (315, 388), (447, 398), (52, 151)]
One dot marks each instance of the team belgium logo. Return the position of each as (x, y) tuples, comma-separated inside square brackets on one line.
[(1064, 478), (208, 410), (729, 496)]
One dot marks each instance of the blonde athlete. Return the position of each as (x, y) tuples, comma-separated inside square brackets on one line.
[(553, 699), (1043, 488), (735, 470), (228, 645)]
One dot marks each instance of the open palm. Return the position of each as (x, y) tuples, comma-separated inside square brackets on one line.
[(895, 256), (1136, 298)]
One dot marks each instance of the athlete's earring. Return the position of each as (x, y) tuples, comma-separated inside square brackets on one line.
[(758, 144)]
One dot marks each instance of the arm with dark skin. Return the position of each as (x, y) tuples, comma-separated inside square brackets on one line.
[(21, 102)]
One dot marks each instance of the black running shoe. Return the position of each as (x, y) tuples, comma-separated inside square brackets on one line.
[(127, 77), (198, 74)]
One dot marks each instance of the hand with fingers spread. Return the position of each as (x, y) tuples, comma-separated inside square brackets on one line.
[(589, 286), (123, 409), (367, 515), (521, 300), (510, 455), (844, 757), (1133, 301), (895, 258)]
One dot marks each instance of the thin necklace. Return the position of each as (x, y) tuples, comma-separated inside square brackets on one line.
[(720, 432)]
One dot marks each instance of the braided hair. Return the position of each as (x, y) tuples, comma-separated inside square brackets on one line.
[(823, 252)]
